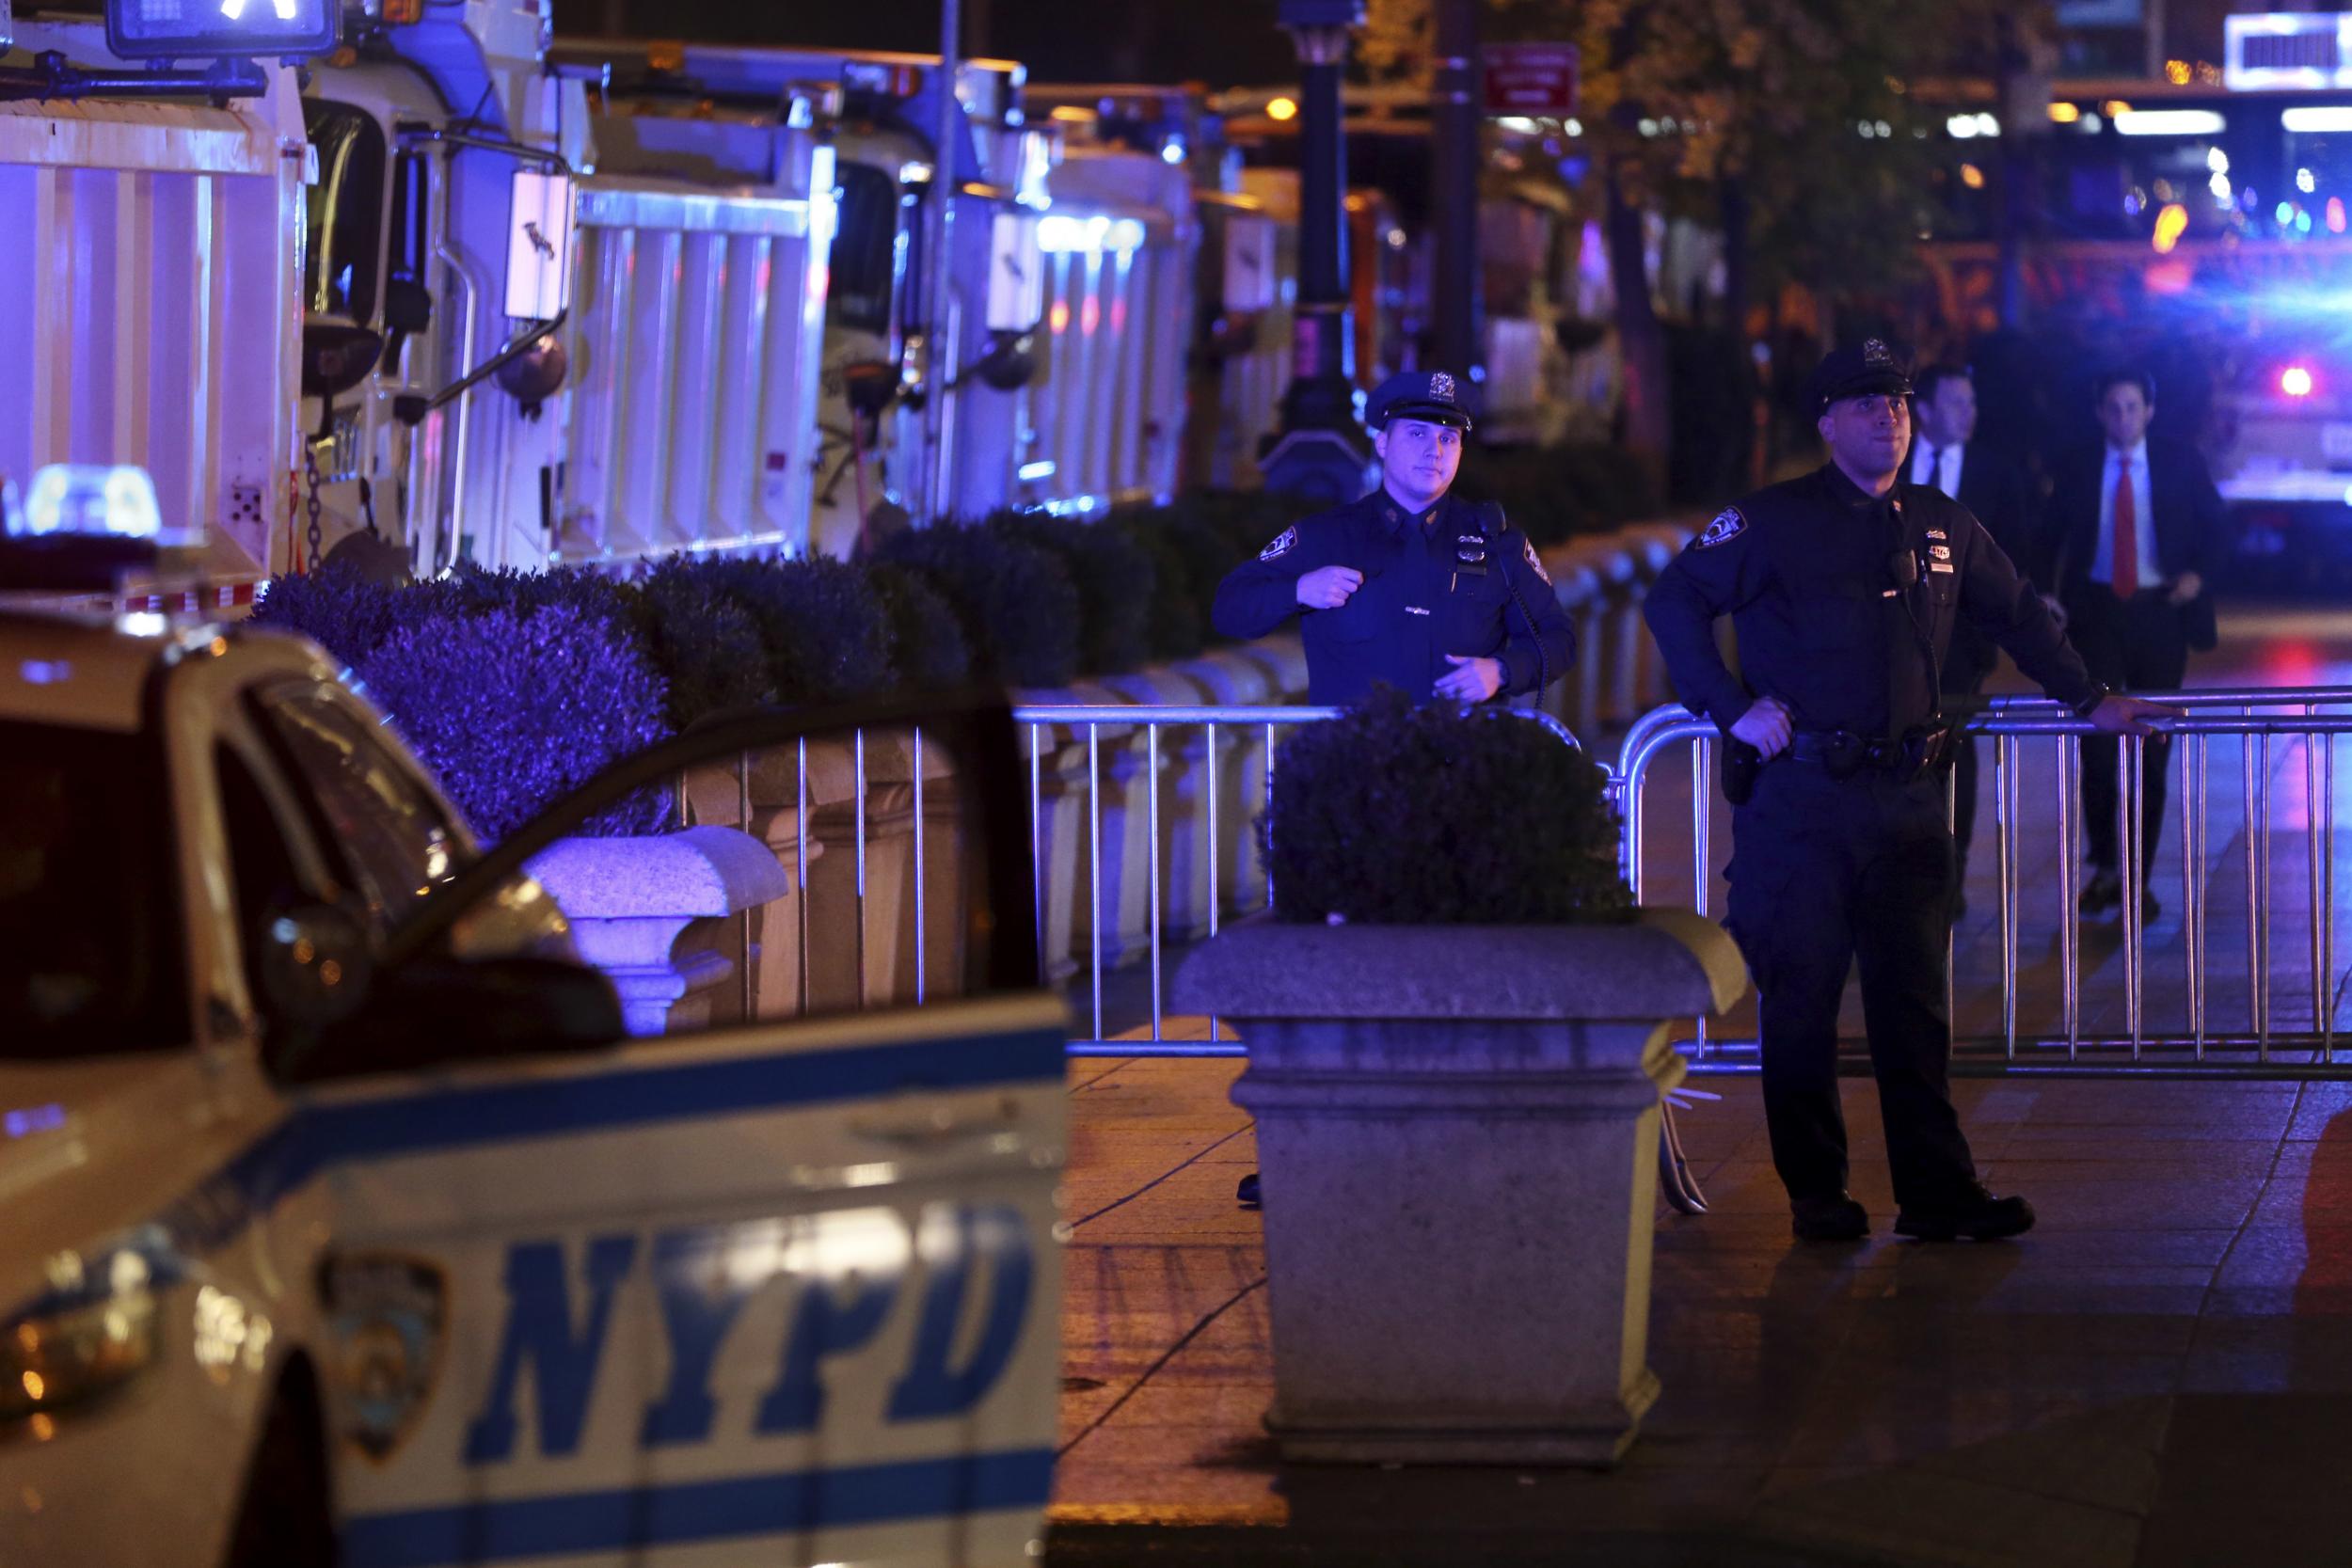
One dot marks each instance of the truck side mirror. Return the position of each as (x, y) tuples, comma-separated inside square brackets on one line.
[(336, 358), (407, 310)]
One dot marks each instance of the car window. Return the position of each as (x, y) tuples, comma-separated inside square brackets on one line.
[(394, 840), (90, 906)]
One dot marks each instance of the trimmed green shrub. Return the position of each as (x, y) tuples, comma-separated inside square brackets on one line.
[(335, 607), (1555, 494), (927, 644), (1399, 814), (824, 631), (512, 709), (1176, 617), (1115, 584), (1017, 608), (705, 644)]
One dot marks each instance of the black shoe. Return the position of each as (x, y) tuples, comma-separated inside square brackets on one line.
[(1828, 1219), (2104, 891), (1246, 1194), (1976, 1214)]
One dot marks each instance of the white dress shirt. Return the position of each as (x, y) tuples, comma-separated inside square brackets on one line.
[(2143, 511), (1937, 465)]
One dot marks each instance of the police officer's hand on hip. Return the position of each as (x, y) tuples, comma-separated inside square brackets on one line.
[(1845, 587), (1408, 586)]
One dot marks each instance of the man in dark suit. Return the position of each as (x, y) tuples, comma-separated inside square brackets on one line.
[(2137, 529), (1945, 456)]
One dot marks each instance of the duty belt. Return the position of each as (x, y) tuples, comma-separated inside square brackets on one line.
[(1844, 754)]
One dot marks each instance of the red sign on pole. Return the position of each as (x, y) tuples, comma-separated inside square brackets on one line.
[(1531, 79)]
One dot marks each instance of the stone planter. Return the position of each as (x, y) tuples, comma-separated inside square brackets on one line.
[(631, 900), (1458, 1127)]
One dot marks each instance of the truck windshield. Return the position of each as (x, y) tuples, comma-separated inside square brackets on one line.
[(91, 960), (346, 212)]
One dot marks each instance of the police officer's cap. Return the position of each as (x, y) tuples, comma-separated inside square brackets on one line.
[(1868, 369), (1435, 396)]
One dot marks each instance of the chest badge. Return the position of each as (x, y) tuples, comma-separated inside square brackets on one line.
[(1470, 552)]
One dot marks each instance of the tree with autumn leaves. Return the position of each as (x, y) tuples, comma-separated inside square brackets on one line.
[(1792, 127)]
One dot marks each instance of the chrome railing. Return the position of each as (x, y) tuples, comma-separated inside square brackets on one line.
[(2034, 1020), (1055, 735)]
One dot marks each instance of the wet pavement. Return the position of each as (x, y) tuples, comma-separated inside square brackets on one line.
[(2160, 1374)]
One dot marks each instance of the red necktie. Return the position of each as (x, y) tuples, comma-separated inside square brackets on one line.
[(2126, 563)]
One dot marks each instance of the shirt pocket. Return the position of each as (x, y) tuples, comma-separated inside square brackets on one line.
[(1357, 619), (1476, 614), (1839, 615)]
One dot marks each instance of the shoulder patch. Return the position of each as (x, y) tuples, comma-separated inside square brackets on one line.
[(1728, 525), (1535, 563), (1283, 544)]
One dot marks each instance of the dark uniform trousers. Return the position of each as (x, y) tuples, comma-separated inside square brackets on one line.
[(1829, 871), (2135, 644)]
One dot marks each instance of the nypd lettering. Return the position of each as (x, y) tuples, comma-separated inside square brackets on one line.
[(1283, 544), (962, 1273), (1728, 525)]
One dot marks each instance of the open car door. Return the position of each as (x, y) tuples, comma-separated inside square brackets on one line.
[(777, 1285)]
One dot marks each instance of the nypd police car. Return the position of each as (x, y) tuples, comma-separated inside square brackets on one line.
[(344, 1223)]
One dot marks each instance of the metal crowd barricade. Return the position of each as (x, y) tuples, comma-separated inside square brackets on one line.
[(2054, 1028), (1216, 723)]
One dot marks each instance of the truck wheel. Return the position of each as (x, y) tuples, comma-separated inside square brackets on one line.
[(286, 1517)]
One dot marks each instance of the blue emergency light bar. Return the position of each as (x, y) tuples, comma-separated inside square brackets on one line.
[(191, 29)]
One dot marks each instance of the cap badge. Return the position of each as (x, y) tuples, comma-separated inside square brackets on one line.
[(1441, 385), (1875, 351)]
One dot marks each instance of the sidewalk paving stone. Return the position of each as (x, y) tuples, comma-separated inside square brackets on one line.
[(2143, 1381)]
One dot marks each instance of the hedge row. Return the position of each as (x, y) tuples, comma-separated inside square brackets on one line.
[(1557, 492), (517, 687)]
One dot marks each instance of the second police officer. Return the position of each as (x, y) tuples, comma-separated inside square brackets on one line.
[(1845, 587), (1407, 585)]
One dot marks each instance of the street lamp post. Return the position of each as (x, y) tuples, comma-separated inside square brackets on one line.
[(1320, 451), (1453, 126)]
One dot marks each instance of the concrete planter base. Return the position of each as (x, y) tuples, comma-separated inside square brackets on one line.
[(1457, 1134)]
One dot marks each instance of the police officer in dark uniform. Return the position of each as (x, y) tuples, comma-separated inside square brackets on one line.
[(1435, 596), (1845, 587)]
